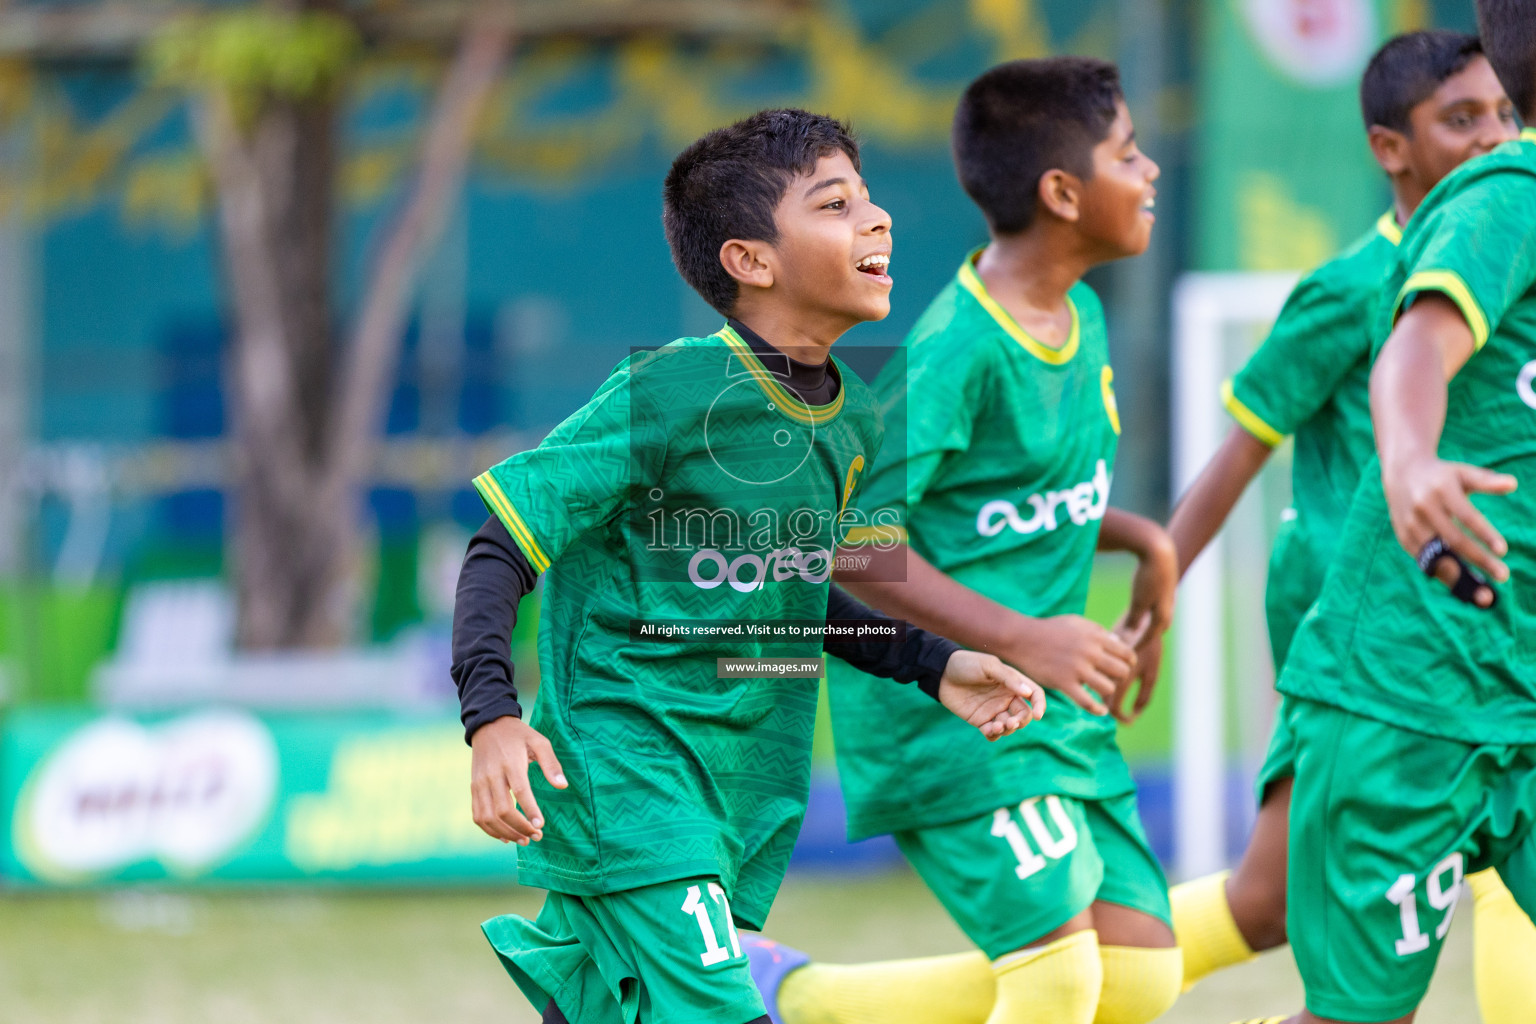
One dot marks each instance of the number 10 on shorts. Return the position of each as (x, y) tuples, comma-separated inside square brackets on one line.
[(1049, 846), (1442, 886), (695, 905)]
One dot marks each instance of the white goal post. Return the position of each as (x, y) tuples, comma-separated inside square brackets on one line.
[(1208, 310)]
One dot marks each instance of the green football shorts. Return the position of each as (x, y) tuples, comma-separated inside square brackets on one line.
[(1012, 876), (664, 954), (1385, 824), (1280, 759)]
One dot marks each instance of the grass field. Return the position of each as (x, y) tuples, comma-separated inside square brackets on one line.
[(152, 957)]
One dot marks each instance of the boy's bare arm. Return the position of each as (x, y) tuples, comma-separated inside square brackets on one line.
[(1151, 607), (1067, 653), (1427, 496), (1203, 509), (1156, 574)]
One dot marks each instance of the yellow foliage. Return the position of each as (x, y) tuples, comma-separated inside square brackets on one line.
[(1408, 16), (1015, 26), (168, 190), (662, 88), (1275, 230)]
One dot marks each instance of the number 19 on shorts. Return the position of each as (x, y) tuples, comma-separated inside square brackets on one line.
[(1443, 888)]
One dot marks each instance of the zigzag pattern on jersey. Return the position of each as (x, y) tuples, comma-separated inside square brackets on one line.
[(675, 772)]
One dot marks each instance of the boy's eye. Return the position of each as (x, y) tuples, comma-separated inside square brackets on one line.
[(836, 204)]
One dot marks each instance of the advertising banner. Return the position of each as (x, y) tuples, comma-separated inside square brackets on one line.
[(222, 795), (1285, 178)]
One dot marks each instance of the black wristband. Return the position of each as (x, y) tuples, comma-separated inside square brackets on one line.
[(1434, 549), (1468, 581)]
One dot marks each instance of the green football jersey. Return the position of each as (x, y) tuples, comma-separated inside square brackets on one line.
[(692, 491), (1310, 378), (1001, 483), (1384, 641)]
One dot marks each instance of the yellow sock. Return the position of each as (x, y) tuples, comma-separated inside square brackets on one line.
[(1503, 952), (1139, 984), (955, 989), (1054, 984), (1202, 920)]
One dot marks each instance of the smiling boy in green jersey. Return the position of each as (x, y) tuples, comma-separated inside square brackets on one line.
[(1430, 101), (1410, 688), (701, 489), (1000, 499)]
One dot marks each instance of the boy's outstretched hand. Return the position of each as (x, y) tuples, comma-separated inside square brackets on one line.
[(498, 779), (1429, 497), (990, 695)]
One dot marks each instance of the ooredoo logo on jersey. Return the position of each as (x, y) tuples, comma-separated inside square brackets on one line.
[(1084, 503), (709, 567), (1524, 382)]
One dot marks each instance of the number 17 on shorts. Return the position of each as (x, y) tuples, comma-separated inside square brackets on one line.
[(694, 904)]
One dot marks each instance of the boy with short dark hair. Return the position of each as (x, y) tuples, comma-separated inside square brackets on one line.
[(1410, 688), (1000, 499), (1430, 101), (686, 519)]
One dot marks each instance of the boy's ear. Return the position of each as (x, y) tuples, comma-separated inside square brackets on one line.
[(1390, 148), (750, 263), (1061, 193)]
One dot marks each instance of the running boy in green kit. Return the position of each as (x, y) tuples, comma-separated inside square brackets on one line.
[(694, 502), (999, 500), (1430, 101), (1410, 688)]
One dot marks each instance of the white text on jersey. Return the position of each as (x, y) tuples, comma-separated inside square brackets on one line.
[(1085, 502)]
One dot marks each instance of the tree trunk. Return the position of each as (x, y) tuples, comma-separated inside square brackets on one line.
[(304, 436), (274, 182)]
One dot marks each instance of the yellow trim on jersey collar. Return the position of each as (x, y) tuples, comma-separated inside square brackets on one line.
[(1387, 225), (971, 282), (784, 400), (1528, 135)]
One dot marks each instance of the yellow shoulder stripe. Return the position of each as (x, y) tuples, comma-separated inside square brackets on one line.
[(1450, 284), (1247, 418), (497, 499)]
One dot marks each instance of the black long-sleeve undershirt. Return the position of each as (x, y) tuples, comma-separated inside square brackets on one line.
[(496, 576)]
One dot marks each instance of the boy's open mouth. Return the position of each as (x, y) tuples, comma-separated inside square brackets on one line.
[(874, 264)]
